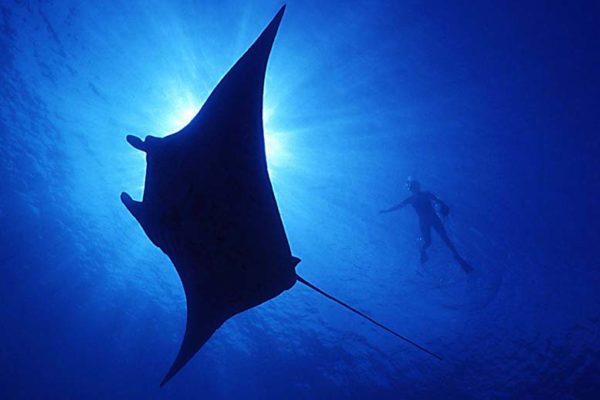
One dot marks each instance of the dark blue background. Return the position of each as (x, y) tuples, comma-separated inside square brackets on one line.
[(493, 106)]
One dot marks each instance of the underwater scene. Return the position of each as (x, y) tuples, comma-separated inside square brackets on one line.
[(310, 200)]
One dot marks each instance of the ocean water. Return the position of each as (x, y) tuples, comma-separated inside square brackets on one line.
[(493, 107)]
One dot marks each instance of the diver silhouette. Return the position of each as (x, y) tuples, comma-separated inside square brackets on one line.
[(422, 202)]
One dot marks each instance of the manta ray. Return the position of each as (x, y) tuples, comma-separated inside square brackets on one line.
[(208, 204)]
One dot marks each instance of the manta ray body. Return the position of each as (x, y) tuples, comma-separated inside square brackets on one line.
[(209, 205)]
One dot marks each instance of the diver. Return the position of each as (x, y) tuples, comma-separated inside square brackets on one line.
[(422, 202)]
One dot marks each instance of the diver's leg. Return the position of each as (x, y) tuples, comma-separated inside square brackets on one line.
[(439, 227), (426, 238)]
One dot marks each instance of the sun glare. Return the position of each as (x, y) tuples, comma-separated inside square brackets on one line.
[(183, 117)]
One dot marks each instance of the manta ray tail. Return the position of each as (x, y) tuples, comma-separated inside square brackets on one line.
[(354, 310)]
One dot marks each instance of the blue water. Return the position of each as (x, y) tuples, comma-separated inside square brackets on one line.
[(492, 107)]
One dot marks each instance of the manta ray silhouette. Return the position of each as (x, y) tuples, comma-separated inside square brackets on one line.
[(209, 205)]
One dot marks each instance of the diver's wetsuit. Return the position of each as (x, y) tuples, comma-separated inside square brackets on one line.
[(428, 219)]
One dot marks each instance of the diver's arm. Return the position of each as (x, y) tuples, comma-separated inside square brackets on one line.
[(404, 203)]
